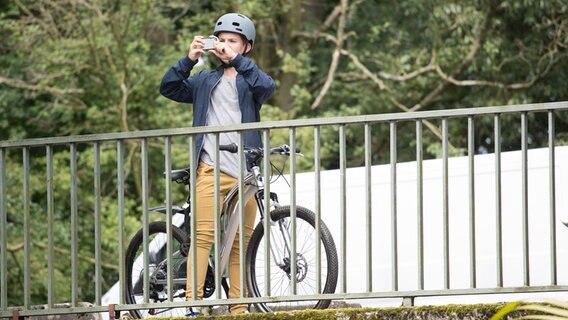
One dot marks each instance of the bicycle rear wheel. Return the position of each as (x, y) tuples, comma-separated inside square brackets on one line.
[(306, 261), (157, 287)]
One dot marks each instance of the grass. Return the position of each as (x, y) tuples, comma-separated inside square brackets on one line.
[(446, 312)]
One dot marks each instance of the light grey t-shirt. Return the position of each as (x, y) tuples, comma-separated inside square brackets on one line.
[(223, 110)]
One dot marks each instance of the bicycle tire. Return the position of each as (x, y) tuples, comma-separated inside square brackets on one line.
[(306, 273), (158, 269)]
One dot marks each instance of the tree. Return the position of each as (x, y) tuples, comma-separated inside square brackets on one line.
[(75, 67), (376, 57)]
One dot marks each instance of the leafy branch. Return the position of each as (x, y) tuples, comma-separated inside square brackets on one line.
[(549, 58), (20, 84), (18, 247), (547, 310)]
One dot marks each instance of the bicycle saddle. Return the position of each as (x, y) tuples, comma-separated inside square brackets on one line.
[(180, 175)]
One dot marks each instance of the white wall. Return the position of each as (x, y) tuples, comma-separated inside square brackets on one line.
[(485, 208)]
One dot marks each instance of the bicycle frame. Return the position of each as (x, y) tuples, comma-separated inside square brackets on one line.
[(254, 186), (231, 212)]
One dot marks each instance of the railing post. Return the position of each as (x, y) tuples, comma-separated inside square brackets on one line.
[(16, 315), (408, 301), (394, 209), (3, 237), (112, 312)]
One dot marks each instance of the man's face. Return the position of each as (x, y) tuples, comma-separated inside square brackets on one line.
[(235, 41)]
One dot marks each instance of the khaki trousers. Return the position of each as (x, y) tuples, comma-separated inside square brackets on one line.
[(205, 232)]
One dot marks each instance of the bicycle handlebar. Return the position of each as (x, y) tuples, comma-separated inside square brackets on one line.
[(253, 155), (234, 148)]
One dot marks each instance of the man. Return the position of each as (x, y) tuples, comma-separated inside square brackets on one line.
[(231, 94)]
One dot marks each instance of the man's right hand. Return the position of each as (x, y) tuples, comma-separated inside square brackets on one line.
[(196, 48)]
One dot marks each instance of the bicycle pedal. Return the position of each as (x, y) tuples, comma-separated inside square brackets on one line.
[(198, 311)]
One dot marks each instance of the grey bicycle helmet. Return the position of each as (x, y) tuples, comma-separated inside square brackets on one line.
[(238, 23)]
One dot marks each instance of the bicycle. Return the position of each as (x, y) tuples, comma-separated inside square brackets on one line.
[(280, 240)]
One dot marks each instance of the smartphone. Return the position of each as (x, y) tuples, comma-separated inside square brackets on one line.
[(209, 43)]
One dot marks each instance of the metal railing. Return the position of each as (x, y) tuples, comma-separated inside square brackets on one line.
[(389, 229)]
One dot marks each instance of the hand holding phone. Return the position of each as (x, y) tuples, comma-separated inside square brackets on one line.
[(209, 43)]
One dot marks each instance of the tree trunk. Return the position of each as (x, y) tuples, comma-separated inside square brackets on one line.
[(284, 27)]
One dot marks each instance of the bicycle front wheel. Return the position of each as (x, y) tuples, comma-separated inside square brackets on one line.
[(157, 269), (307, 269)]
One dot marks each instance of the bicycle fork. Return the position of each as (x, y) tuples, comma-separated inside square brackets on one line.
[(277, 255)]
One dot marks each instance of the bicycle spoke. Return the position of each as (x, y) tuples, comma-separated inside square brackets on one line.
[(306, 259), (157, 269)]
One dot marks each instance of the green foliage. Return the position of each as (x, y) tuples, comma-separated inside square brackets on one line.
[(475, 311), (402, 44), (551, 309), (85, 228)]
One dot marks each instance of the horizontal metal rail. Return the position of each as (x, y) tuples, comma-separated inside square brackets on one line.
[(375, 118)]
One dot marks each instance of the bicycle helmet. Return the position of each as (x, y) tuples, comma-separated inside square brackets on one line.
[(237, 23)]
